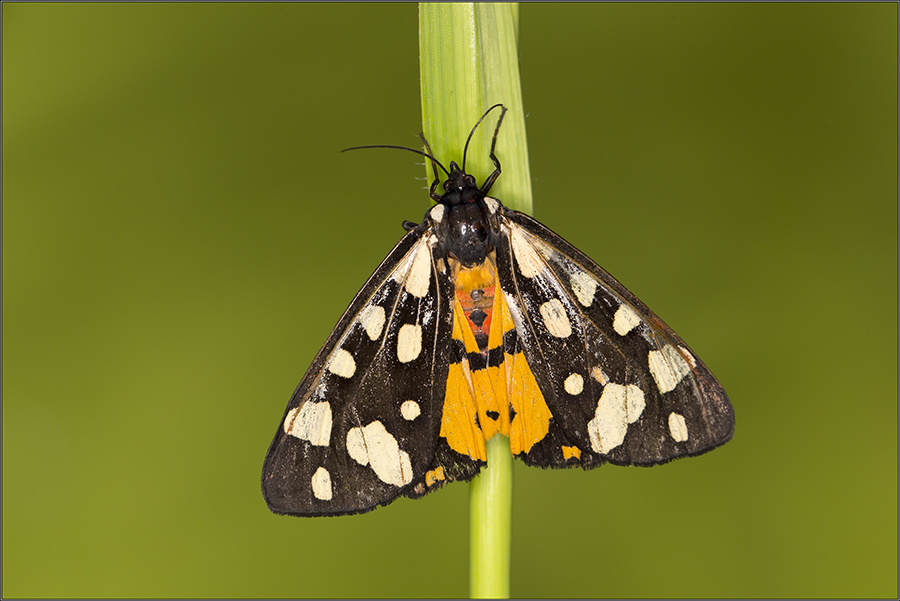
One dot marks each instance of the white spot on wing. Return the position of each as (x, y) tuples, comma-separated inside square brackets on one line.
[(618, 406), (310, 421), (584, 286), (549, 253), (372, 320), (689, 355), (574, 384), (420, 271), (634, 403), (607, 429), (321, 484), (374, 446), (492, 204), (342, 364), (437, 213), (410, 410), (555, 318), (402, 268), (668, 368), (530, 263), (625, 320), (678, 427), (409, 342), (356, 445)]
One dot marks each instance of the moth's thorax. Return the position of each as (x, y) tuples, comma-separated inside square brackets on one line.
[(467, 231), (465, 225)]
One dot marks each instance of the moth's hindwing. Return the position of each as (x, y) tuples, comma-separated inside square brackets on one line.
[(490, 386), (620, 385), (362, 426)]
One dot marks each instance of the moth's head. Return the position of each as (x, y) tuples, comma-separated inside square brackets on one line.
[(460, 188)]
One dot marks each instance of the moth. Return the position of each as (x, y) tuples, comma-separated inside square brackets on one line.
[(482, 321)]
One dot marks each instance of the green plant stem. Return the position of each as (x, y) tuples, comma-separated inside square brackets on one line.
[(490, 524), (469, 61)]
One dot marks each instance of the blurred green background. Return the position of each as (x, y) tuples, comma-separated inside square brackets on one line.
[(180, 234)]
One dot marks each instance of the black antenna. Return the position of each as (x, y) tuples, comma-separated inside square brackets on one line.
[(472, 133), (436, 163), (424, 154)]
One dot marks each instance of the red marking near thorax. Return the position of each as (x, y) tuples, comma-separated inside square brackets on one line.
[(478, 299), (475, 289)]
